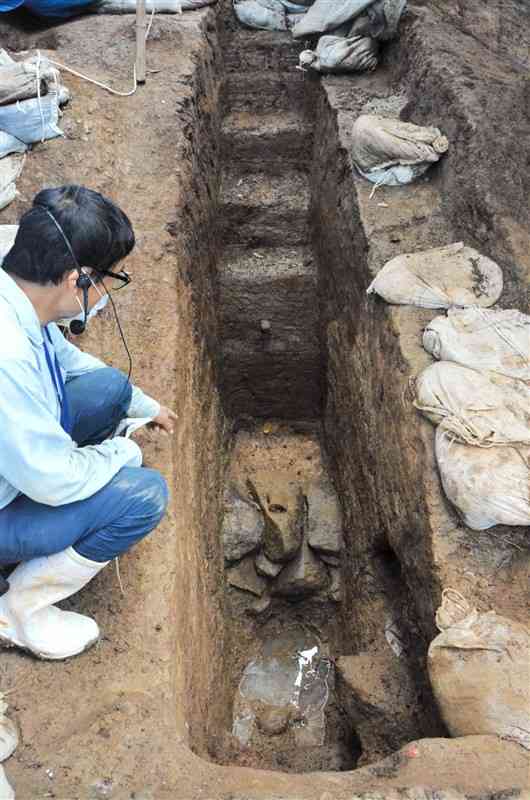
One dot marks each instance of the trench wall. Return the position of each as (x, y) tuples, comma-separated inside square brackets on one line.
[(173, 333), (381, 450), (148, 687), (466, 65)]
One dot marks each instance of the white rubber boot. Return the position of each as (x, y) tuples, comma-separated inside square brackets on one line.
[(29, 620)]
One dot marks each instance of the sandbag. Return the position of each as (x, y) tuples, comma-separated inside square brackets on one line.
[(266, 15), (479, 668), (391, 152), (6, 790), (380, 21), (32, 120), (294, 8), (439, 278), (487, 486), (158, 6), (335, 54), (10, 169), (8, 733), (324, 16), (482, 339), (7, 239), (379, 16), (19, 80), (10, 144), (478, 408)]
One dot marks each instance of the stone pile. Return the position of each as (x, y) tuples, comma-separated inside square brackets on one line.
[(283, 541)]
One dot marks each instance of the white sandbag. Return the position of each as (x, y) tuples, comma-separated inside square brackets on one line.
[(266, 15), (20, 80), (10, 169), (156, 6), (10, 144), (16, 83), (7, 239), (398, 175), (479, 668), (380, 20), (393, 152), (32, 120), (482, 339), (487, 486), (8, 733), (324, 16), (379, 16), (6, 790), (439, 278), (478, 408), (294, 8), (191, 5), (335, 54), (5, 58)]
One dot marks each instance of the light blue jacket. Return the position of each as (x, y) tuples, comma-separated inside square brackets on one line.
[(37, 457)]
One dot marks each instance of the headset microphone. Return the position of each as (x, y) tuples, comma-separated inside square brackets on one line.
[(78, 326), (84, 282)]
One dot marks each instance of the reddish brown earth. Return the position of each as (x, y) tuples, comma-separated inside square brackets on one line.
[(141, 714)]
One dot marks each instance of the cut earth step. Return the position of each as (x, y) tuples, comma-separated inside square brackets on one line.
[(262, 210), (272, 141), (267, 90), (273, 51)]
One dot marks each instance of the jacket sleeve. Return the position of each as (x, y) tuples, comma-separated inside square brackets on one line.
[(37, 457), (76, 362)]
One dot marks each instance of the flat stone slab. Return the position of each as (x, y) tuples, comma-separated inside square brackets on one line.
[(266, 567), (303, 576), (243, 526), (244, 576), (324, 519), (283, 508)]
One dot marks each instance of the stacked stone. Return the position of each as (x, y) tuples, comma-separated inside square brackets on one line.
[(282, 541)]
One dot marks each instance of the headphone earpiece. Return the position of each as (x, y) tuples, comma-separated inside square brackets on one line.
[(83, 281)]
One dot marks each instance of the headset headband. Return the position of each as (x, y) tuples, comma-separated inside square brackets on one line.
[(63, 234)]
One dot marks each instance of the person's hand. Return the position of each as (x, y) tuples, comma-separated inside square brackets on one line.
[(165, 420)]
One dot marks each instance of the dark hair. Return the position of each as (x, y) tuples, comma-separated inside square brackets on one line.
[(99, 233)]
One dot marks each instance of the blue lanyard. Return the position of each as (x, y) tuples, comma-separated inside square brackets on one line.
[(57, 378)]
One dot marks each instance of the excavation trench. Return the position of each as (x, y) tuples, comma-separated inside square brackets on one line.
[(248, 313), (323, 650)]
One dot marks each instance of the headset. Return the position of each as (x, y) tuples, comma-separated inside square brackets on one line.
[(84, 282)]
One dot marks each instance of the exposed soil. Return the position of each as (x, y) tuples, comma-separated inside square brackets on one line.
[(140, 715)]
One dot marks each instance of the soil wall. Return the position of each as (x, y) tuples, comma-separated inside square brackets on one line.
[(154, 674), (466, 64), (121, 720), (381, 450)]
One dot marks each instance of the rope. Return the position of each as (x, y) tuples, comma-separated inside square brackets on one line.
[(99, 83), (39, 102), (498, 330), (453, 608)]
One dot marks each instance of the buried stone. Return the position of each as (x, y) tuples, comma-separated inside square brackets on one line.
[(324, 520), (244, 576), (242, 526), (266, 567), (303, 576), (283, 509)]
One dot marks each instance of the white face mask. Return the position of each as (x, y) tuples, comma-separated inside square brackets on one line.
[(99, 306)]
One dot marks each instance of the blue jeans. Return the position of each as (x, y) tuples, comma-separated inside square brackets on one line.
[(112, 520)]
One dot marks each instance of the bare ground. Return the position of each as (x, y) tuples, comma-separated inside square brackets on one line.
[(122, 717)]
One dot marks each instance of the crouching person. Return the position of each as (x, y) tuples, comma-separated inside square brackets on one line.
[(71, 498)]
